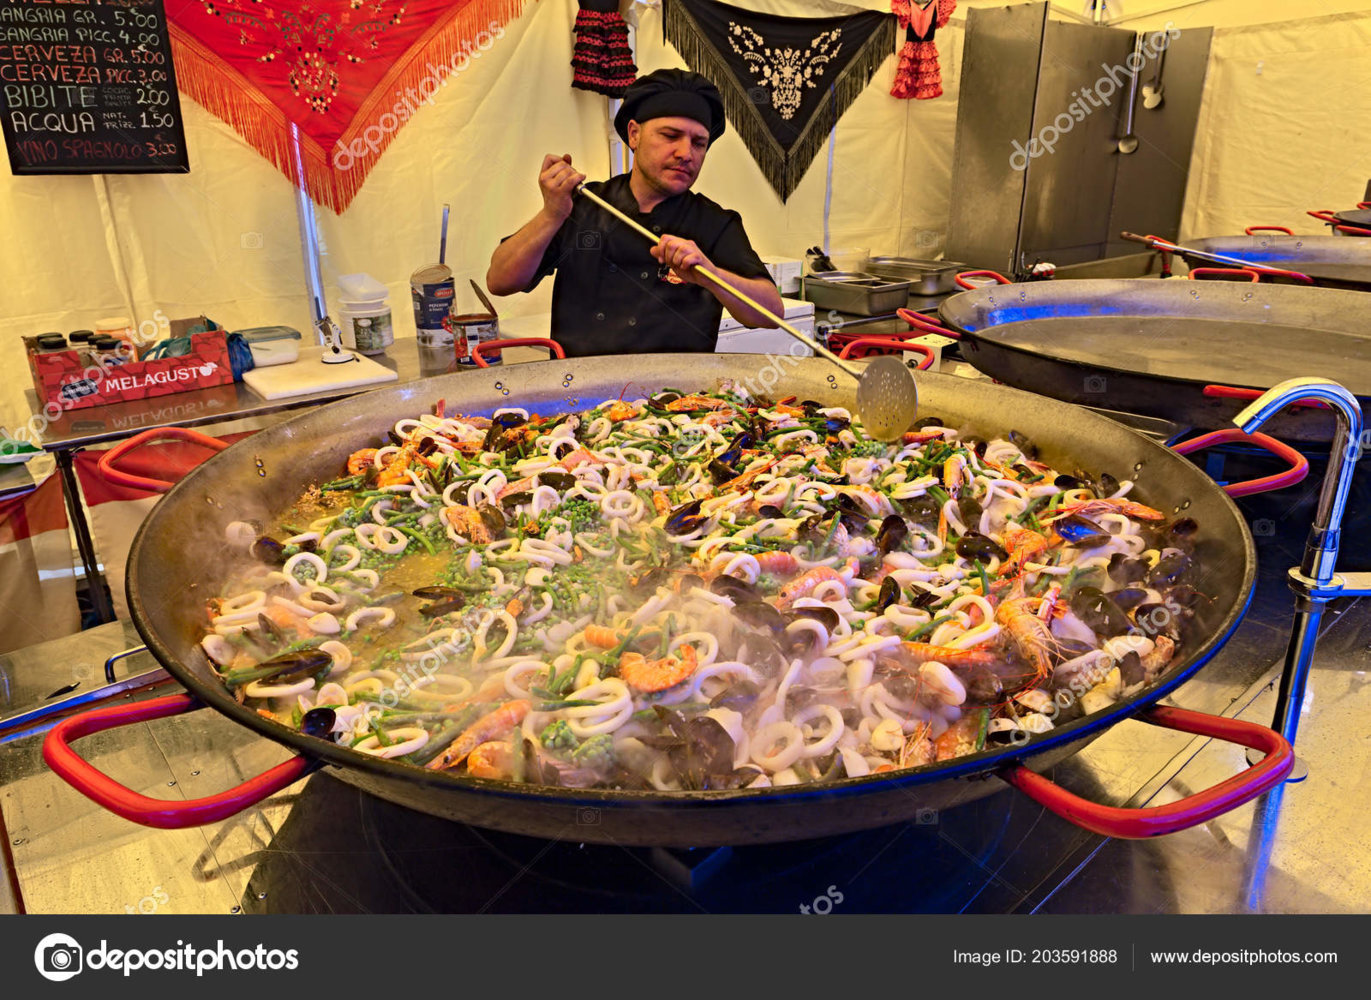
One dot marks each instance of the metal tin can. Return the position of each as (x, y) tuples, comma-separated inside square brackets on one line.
[(431, 289), (471, 330)]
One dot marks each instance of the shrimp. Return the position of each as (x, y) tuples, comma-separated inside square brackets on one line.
[(649, 676), (660, 503), (913, 653), (924, 436), (494, 759), (1029, 633), (1022, 545), (918, 749), (719, 418), (360, 461), (621, 411), (518, 486), (602, 636), (741, 482), (1106, 505), (1162, 649), (805, 583), (960, 738), (954, 473), (466, 521), (776, 561), (484, 729), (695, 401), (579, 457)]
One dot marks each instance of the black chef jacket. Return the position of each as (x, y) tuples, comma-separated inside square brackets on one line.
[(611, 296)]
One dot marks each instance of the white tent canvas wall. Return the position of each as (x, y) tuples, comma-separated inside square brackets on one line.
[(1283, 128)]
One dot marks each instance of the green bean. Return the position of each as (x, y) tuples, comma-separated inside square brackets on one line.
[(923, 630)]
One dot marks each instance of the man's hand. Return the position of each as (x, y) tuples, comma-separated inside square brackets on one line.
[(683, 257), (558, 181)]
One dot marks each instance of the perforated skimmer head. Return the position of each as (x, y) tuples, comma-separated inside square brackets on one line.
[(887, 398)]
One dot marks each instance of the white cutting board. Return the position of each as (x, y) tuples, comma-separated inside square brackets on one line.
[(307, 374)]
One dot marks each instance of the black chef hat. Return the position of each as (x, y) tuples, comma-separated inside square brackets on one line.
[(671, 93)]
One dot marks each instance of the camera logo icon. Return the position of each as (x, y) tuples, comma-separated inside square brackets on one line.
[(58, 957), (926, 817), (588, 239), (587, 816), (250, 241), (1264, 527), (759, 95), (1096, 385)]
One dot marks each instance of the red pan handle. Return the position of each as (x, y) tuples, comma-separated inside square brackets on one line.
[(1156, 821), (99, 787), (1364, 205), (1299, 465), (925, 324), (1253, 230), (1223, 273), (1000, 279), (1353, 230), (479, 350), (890, 342), (1324, 215), (1234, 392), (120, 478)]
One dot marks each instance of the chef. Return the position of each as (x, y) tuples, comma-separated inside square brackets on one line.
[(614, 292)]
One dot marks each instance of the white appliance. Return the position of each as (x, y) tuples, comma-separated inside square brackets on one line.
[(734, 338)]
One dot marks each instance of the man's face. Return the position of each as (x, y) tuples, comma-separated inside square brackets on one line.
[(668, 152)]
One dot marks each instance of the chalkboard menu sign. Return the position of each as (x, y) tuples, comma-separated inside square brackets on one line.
[(87, 87)]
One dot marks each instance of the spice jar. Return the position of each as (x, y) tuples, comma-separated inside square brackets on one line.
[(111, 351)]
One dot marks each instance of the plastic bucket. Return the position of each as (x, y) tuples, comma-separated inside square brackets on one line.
[(367, 326)]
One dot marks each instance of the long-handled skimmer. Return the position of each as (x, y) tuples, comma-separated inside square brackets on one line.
[(887, 398)]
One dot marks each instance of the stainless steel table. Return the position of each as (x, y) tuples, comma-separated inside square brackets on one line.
[(82, 428), (14, 480)]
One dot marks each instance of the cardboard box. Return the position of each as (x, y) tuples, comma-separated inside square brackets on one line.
[(785, 272), (62, 379)]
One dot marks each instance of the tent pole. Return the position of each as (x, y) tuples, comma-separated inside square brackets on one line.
[(309, 234)]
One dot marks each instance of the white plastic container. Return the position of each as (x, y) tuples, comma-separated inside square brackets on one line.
[(365, 317), (367, 327), (734, 338), (272, 345)]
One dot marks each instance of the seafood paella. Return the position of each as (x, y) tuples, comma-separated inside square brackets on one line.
[(697, 590)]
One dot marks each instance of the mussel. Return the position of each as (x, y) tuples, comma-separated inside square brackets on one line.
[(649, 579), (759, 614), (319, 722), (889, 594), (1029, 449), (427, 446), (271, 629), (269, 551), (826, 617), (736, 590), (1099, 612), (969, 508), (1129, 597), (739, 697), (1081, 532), (493, 518), (290, 668), (557, 480), (1172, 568), (511, 500), (445, 601), (922, 510), (720, 473), (1127, 569), (891, 535), (663, 399), (685, 518), (924, 422), (1158, 619), (974, 545), (770, 510)]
